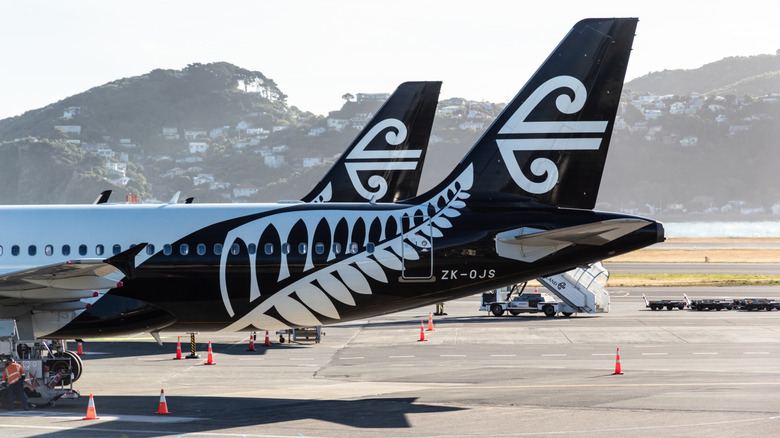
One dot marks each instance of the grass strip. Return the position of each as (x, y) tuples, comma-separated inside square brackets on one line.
[(689, 280)]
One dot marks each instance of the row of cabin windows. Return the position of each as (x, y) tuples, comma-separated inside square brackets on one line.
[(200, 249)]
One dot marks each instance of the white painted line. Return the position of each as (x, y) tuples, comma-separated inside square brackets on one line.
[(351, 358), (654, 354), (755, 352), (706, 353), (553, 355), (503, 355), (452, 355), (398, 357)]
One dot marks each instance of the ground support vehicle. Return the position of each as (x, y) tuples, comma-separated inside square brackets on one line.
[(50, 372), (500, 300), (581, 290), (711, 304), (669, 304), (751, 304)]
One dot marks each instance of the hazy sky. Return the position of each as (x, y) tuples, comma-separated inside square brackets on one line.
[(318, 50)]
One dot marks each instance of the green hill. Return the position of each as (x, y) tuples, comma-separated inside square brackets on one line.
[(741, 75)]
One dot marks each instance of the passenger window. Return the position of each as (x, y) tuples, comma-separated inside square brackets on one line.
[(235, 249), (15, 250), (370, 247), (167, 249), (65, 250), (217, 249), (302, 248), (353, 248), (150, 249), (117, 249), (252, 248), (32, 250), (1, 250), (184, 249), (48, 250), (285, 248), (269, 248), (337, 248), (83, 249), (201, 248), (319, 248), (99, 250)]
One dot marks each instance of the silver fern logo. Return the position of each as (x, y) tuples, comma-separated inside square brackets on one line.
[(517, 124), (315, 293)]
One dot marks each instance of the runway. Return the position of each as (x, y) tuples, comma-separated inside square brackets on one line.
[(686, 373)]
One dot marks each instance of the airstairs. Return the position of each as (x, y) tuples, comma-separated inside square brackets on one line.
[(581, 288)]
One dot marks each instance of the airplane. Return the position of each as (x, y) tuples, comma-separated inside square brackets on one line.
[(382, 164), (517, 207)]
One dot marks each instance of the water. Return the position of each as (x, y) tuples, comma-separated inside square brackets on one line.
[(722, 229)]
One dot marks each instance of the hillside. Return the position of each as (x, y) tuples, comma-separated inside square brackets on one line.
[(220, 133), (744, 75)]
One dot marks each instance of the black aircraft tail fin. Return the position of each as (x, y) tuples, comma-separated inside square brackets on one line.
[(550, 143), (385, 161)]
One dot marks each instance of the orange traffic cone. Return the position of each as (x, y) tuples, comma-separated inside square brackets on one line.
[(178, 348), (267, 340), (251, 344), (80, 349), (430, 322), (91, 413), (210, 360), (162, 409), (617, 364), (422, 332)]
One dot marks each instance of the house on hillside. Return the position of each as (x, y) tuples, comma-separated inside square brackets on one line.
[(198, 147), (170, 133), (71, 112), (192, 134), (244, 190), (367, 97)]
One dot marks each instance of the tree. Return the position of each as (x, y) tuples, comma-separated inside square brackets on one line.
[(348, 97)]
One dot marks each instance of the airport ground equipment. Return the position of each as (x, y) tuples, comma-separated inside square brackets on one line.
[(669, 304), (501, 300), (583, 289), (712, 304), (301, 334), (751, 304), (50, 370)]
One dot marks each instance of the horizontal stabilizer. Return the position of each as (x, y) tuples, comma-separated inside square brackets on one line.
[(530, 244)]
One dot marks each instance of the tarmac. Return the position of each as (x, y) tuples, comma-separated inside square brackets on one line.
[(686, 373)]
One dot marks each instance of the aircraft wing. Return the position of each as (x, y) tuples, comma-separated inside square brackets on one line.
[(531, 244), (68, 280)]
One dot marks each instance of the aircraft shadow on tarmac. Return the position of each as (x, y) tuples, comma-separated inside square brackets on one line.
[(117, 349), (209, 414), (467, 320)]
